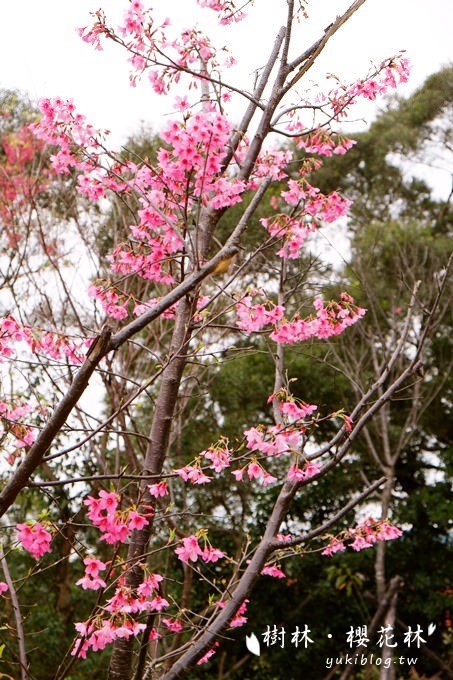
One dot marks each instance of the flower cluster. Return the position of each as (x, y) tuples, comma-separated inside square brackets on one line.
[(390, 74), (226, 9), (193, 474), (54, 345), (197, 149), (254, 471), (238, 619), (274, 440), (34, 538), (11, 423), (331, 319), (159, 489), (97, 633), (296, 410), (191, 551), (77, 141), (252, 316), (114, 524), (91, 580), (364, 535), (146, 599), (116, 619), (152, 50), (323, 143), (310, 469), (188, 171), (219, 455), (310, 207), (387, 75), (272, 570)]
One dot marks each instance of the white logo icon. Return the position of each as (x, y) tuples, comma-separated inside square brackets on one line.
[(253, 644)]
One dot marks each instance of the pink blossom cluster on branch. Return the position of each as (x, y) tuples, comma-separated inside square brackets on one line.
[(116, 619), (151, 49), (390, 74), (34, 538), (271, 441), (226, 9), (309, 207), (191, 551), (91, 580), (273, 570), (387, 75), (114, 524), (238, 619), (331, 318), (97, 633), (364, 535), (12, 422), (188, 171), (54, 345)]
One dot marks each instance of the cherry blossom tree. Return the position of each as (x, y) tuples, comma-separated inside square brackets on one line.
[(171, 295)]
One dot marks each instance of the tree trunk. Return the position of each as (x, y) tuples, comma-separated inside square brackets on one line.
[(121, 663)]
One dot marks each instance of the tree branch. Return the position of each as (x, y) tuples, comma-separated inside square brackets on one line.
[(17, 616)]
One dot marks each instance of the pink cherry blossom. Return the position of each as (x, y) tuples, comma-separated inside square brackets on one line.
[(311, 468), (333, 547), (297, 411), (93, 566), (226, 9), (172, 624), (158, 603), (190, 550), (360, 543), (192, 474), (268, 479), (296, 474), (136, 521), (254, 471), (150, 584), (364, 535), (207, 656), (211, 554), (219, 456), (91, 582), (239, 619), (34, 538), (159, 489), (273, 570)]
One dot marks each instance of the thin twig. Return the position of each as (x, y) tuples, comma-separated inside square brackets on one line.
[(17, 616)]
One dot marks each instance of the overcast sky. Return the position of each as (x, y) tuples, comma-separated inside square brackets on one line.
[(41, 53)]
